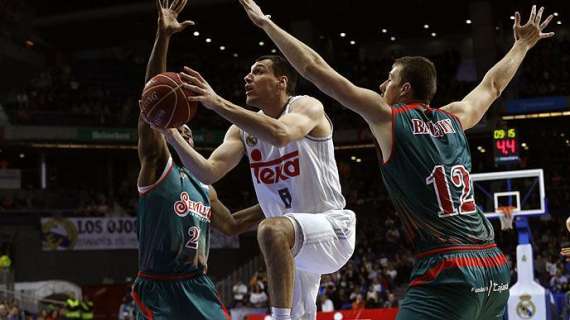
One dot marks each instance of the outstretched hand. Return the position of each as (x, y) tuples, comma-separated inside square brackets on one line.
[(565, 252), (254, 12), (201, 89), (168, 16), (531, 32)]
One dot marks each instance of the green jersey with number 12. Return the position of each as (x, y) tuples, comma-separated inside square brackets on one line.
[(428, 178)]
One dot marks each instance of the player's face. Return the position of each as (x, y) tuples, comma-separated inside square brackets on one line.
[(186, 134), (391, 88), (260, 83)]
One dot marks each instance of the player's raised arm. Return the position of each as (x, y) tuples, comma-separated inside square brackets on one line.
[(233, 224), (369, 104), (472, 108), (221, 161), (151, 145)]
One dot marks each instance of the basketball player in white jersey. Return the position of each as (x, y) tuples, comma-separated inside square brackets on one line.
[(289, 144)]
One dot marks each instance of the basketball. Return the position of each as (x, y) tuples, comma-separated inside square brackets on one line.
[(164, 101)]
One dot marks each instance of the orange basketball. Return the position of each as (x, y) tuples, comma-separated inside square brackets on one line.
[(164, 101)]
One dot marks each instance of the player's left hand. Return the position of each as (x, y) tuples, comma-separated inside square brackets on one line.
[(168, 23), (254, 12), (202, 90), (531, 32)]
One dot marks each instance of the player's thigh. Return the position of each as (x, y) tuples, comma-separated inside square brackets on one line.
[(495, 302), (325, 241), (444, 302)]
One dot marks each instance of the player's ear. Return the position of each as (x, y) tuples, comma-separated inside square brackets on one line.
[(406, 89), (283, 82)]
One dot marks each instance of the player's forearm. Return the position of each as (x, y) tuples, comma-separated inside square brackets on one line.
[(157, 61), (200, 167), (262, 126), (239, 222), (501, 74), (302, 57), (248, 218)]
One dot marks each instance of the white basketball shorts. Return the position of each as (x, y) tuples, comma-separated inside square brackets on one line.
[(323, 244)]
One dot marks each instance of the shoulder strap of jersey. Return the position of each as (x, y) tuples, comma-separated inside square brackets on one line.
[(146, 189)]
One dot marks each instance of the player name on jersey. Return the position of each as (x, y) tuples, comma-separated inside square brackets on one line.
[(437, 129)]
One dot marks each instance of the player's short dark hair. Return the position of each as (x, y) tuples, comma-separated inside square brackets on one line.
[(282, 67), (421, 74)]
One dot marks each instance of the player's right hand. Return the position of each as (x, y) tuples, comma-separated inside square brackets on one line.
[(168, 16), (565, 252)]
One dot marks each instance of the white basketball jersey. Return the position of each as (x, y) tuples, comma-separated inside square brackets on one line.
[(301, 177)]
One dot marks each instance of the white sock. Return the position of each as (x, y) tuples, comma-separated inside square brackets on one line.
[(281, 313)]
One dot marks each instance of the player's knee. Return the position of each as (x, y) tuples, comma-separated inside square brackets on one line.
[(270, 233)]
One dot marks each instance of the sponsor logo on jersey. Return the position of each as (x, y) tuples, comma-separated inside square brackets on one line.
[(274, 171), (492, 287), (438, 129), (185, 206), (250, 140)]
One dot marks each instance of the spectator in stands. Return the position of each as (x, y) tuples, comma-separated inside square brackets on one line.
[(239, 291), (358, 303), (3, 311), (5, 262), (326, 304), (15, 313), (391, 301), (86, 307), (372, 298), (258, 297), (558, 282), (127, 308)]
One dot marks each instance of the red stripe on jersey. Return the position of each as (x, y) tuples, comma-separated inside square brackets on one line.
[(455, 248), (393, 147), (407, 107), (395, 111), (274, 162), (144, 309), (459, 262)]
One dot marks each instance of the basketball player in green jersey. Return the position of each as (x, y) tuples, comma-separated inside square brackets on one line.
[(459, 273), (174, 215)]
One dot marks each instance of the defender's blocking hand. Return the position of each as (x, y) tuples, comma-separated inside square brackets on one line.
[(254, 12), (168, 16), (530, 33)]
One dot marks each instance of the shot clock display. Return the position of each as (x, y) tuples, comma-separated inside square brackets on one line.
[(506, 145)]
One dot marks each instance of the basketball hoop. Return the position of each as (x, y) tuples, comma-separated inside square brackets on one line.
[(506, 217)]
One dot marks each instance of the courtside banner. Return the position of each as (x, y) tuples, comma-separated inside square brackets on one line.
[(88, 234), (59, 234), (360, 314)]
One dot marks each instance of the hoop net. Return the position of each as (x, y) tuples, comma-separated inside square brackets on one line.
[(506, 217)]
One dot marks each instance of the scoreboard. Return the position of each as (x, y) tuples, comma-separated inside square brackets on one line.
[(505, 145)]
